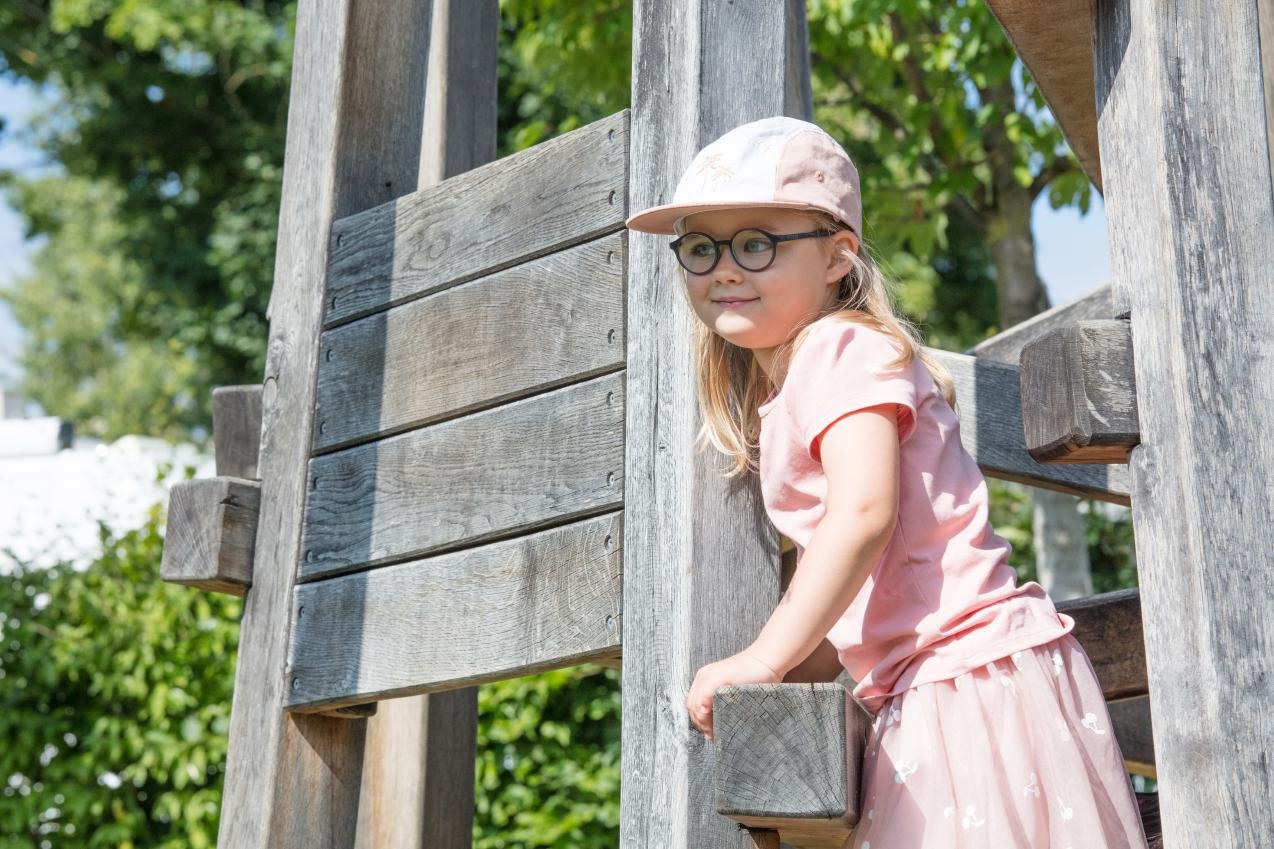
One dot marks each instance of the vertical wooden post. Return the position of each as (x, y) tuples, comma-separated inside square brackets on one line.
[(1184, 147), (701, 563), (418, 767), (354, 124)]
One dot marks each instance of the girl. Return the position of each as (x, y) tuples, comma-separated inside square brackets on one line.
[(990, 729)]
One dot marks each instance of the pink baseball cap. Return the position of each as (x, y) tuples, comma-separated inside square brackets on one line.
[(775, 162)]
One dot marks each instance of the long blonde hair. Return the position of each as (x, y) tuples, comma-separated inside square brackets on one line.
[(732, 385)]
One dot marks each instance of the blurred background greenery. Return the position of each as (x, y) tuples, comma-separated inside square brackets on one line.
[(151, 286)]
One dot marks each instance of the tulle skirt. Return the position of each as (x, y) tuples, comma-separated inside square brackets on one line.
[(1018, 753)]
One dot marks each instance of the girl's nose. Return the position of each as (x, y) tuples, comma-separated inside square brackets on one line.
[(727, 269)]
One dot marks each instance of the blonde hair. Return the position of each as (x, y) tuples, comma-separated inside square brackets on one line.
[(732, 385)]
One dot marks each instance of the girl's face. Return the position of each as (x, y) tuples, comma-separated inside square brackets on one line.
[(761, 310)]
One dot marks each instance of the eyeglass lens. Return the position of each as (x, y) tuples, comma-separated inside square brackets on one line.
[(751, 249)]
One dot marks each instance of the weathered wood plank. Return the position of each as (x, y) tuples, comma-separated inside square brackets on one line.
[(696, 544), (1108, 626), (496, 611), (1006, 346), (236, 430), (418, 763), (787, 757), (211, 534), (989, 406), (507, 470), (353, 142), (552, 321), (1079, 398), (492, 217), (1190, 215), (1054, 40)]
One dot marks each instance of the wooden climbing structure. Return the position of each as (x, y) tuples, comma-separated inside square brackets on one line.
[(472, 453)]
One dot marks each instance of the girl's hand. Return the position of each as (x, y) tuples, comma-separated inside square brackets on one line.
[(741, 668)]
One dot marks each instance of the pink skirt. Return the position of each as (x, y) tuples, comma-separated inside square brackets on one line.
[(1016, 754)]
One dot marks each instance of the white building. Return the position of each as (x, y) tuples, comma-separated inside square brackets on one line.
[(55, 488)]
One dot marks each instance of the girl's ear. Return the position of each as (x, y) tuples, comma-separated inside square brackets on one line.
[(838, 264)]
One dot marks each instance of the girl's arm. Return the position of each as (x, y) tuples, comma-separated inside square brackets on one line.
[(859, 453), (821, 666)]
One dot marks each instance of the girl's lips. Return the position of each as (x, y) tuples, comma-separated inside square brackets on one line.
[(735, 302)]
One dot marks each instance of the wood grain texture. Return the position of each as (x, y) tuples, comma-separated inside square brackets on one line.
[(549, 322), (211, 534), (1181, 116), (417, 790), (1054, 40), (788, 757), (353, 142), (497, 215), (1079, 395), (511, 469), (989, 406), (1108, 626), (236, 430), (497, 611), (696, 545)]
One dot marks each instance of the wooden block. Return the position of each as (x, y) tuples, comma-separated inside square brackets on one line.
[(990, 410), (236, 430), (487, 613), (510, 469), (565, 191), (1079, 401), (1108, 626), (788, 757), (211, 534), (474, 346)]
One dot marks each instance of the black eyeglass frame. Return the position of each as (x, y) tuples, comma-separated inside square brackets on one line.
[(717, 243)]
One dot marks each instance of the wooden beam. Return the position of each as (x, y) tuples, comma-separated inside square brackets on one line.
[(353, 142), (236, 430), (1190, 214), (1079, 398), (696, 545), (1006, 346), (418, 769), (786, 757), (211, 534), (1054, 40), (474, 346), (497, 611), (988, 403), (509, 470), (495, 216), (1135, 733)]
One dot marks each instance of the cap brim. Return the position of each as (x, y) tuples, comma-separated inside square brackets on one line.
[(660, 219)]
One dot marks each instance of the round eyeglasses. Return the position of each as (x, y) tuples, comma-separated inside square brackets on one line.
[(752, 248)]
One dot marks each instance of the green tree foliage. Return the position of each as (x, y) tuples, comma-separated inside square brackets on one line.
[(115, 694), (114, 703), (167, 137)]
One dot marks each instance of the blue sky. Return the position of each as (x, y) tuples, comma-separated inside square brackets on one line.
[(1071, 249)]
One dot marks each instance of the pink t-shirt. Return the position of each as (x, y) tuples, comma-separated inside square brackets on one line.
[(942, 599)]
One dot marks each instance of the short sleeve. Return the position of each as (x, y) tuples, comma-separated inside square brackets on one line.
[(839, 368)]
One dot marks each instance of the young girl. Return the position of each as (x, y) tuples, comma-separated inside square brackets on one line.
[(991, 729)]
